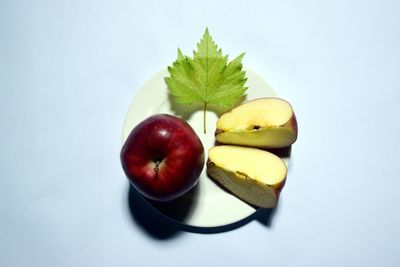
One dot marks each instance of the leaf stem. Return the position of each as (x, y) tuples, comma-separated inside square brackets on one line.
[(204, 119)]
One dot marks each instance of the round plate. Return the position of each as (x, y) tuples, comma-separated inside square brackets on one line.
[(206, 205)]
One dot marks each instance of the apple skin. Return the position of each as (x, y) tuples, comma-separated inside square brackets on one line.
[(163, 157)]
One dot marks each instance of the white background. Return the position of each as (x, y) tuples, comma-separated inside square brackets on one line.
[(69, 69)]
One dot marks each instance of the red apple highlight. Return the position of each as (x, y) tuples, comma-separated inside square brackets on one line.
[(163, 157)]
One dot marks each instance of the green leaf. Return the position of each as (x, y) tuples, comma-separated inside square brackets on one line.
[(208, 77)]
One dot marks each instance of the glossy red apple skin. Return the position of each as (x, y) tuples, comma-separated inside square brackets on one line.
[(163, 157)]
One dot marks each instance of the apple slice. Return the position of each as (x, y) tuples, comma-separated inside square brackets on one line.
[(264, 123), (253, 175)]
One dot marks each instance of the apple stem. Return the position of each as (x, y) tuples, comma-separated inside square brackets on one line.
[(157, 167), (204, 119)]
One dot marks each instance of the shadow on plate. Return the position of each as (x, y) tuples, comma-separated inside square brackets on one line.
[(284, 152), (162, 221), (264, 216)]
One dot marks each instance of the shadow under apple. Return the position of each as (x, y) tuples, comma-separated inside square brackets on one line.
[(155, 224), (163, 220)]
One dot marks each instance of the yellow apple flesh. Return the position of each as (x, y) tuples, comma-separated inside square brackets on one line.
[(253, 175), (263, 123)]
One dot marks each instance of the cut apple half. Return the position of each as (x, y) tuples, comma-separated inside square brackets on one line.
[(264, 123), (253, 175)]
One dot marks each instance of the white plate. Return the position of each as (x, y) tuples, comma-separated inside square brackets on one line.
[(207, 205)]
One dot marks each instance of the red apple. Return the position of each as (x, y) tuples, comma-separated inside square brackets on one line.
[(163, 157)]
